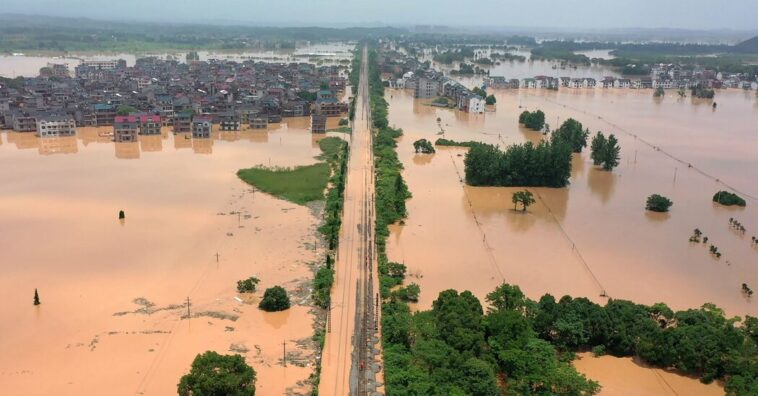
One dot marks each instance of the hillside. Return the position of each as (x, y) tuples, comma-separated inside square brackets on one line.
[(748, 46)]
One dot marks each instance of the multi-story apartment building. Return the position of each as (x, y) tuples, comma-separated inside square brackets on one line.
[(54, 125)]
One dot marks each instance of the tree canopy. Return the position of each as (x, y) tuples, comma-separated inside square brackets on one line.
[(658, 203), (213, 374), (533, 120), (572, 133), (728, 199), (544, 165), (274, 299)]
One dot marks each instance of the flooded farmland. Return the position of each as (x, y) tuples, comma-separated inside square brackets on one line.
[(113, 318), (593, 238)]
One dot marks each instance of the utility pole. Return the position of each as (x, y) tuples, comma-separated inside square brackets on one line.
[(675, 169), (284, 353), (217, 257), (188, 308)]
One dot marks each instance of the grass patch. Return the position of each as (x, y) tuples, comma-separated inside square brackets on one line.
[(342, 129), (301, 184)]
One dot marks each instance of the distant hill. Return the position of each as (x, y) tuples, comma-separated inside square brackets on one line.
[(749, 46)]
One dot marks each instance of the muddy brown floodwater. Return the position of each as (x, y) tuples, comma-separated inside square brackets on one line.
[(114, 293), (593, 236)]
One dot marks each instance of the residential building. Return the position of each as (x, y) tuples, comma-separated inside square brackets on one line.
[(202, 126), (318, 123), (53, 125)]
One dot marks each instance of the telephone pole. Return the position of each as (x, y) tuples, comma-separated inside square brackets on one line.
[(284, 353), (188, 308)]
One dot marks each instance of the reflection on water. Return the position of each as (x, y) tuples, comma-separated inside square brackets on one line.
[(155, 143), (601, 183), (119, 288)]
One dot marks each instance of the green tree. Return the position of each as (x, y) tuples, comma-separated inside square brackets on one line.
[(728, 199), (659, 92), (571, 133), (274, 299), (658, 203), (533, 120), (525, 198), (611, 153), (507, 298), (36, 297), (247, 285), (213, 374), (343, 122), (597, 148), (424, 146), (490, 100)]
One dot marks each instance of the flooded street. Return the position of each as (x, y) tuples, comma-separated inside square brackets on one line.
[(594, 236), (114, 293)]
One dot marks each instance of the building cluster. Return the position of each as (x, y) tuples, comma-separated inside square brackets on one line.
[(666, 76), (191, 97)]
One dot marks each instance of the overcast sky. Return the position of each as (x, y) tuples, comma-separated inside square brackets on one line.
[(581, 14)]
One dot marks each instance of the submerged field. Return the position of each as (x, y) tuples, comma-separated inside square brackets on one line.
[(114, 293), (593, 236)]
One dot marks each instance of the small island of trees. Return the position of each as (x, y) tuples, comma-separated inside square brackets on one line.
[(728, 199), (423, 146), (533, 120), (275, 299), (526, 165), (658, 203)]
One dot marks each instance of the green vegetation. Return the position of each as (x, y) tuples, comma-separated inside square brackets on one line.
[(423, 146), (408, 293), (343, 122), (604, 151), (699, 91), (490, 100), (728, 199), (659, 93), (36, 298), (447, 142), (571, 133), (544, 165), (525, 198), (342, 129), (247, 285), (125, 110), (15, 83), (658, 203), (307, 96), (121, 215), (214, 374), (533, 120), (442, 101), (479, 91), (448, 57), (322, 286), (274, 299), (301, 184)]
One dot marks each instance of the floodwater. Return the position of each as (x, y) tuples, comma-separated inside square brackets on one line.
[(28, 65), (114, 293), (639, 379), (593, 237), (528, 68)]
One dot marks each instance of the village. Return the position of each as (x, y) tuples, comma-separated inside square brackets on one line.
[(405, 72), (193, 97)]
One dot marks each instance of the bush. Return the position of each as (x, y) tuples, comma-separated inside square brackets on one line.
[(728, 199), (423, 146), (214, 374), (658, 203), (343, 122), (408, 293), (274, 299), (322, 286), (534, 120), (598, 350), (247, 285)]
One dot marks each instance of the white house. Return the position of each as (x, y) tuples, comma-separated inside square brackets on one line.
[(476, 104), (56, 125)]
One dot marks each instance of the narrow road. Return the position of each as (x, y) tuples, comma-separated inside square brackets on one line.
[(350, 360)]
